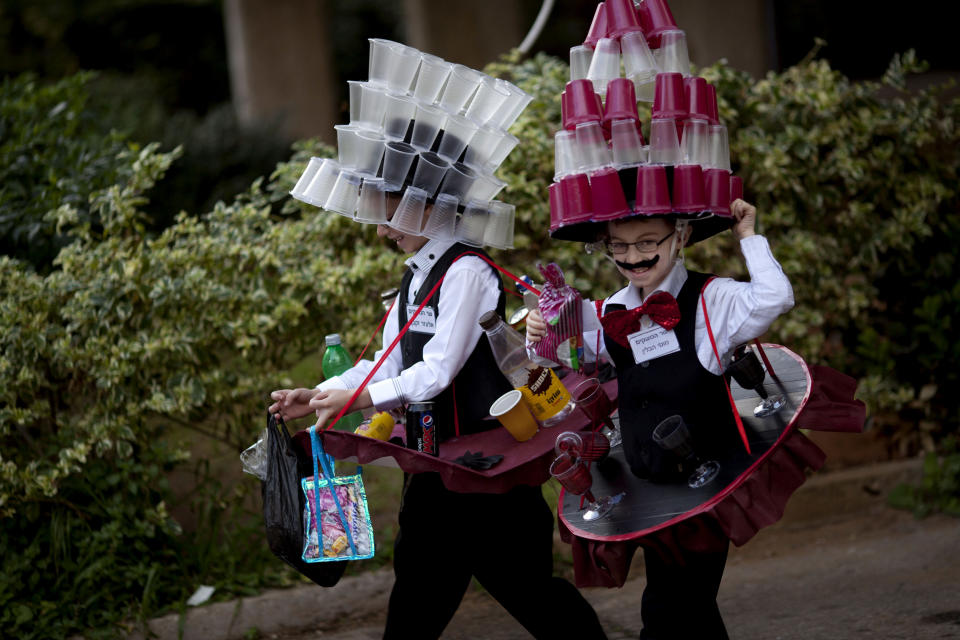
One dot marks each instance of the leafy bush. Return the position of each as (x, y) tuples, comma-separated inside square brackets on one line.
[(939, 490)]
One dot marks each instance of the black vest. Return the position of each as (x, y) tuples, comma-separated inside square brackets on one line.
[(672, 384), (480, 382)]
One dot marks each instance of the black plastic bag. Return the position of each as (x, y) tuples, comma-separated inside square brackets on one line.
[(283, 502)]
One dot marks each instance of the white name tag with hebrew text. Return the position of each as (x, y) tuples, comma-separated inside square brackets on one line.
[(648, 344), (425, 322)]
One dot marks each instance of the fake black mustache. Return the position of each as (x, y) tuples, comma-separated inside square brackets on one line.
[(643, 264)]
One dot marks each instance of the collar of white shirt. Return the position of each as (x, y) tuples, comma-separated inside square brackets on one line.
[(630, 298), (423, 260)]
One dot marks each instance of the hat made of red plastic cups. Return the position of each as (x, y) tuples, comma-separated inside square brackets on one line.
[(713, 112), (655, 18), (582, 104), (598, 27), (621, 17), (688, 194), (669, 97), (571, 207), (609, 201), (621, 103), (736, 188), (697, 97), (653, 191), (716, 191)]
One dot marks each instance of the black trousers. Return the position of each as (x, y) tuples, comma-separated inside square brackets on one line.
[(680, 600), (504, 540)]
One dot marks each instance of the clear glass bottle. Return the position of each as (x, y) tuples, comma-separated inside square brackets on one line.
[(548, 399)]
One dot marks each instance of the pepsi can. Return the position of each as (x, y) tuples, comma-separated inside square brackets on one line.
[(422, 429)]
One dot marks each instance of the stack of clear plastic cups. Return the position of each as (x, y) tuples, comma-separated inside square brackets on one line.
[(672, 56), (719, 148), (487, 100), (428, 123), (482, 146), (605, 64), (504, 146), (499, 231), (356, 97), (372, 205), (400, 110), (627, 143), (566, 160), (380, 60), (344, 194), (472, 225), (403, 68), (664, 145), (485, 187), (397, 159), (695, 143), (321, 184), (431, 78), (461, 84), (594, 152), (442, 221), (458, 180), (512, 107), (369, 152), (429, 172), (313, 165), (373, 105), (457, 134), (580, 57), (639, 65), (347, 145), (408, 218)]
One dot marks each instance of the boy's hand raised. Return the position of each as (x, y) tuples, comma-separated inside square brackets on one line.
[(745, 215), (536, 327)]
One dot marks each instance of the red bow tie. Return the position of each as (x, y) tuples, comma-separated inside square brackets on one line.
[(661, 307)]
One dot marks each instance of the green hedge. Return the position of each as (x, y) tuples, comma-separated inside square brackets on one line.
[(134, 337)]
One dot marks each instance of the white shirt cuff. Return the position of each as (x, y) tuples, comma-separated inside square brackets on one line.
[(385, 395), (335, 382)]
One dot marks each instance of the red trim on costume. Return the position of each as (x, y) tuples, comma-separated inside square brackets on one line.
[(376, 331)]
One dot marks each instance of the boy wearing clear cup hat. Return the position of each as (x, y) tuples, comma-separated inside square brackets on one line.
[(679, 377), (446, 538)]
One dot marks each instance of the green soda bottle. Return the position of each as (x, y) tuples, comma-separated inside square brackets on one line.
[(336, 361)]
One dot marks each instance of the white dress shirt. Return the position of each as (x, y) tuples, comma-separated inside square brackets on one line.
[(469, 290), (739, 311)]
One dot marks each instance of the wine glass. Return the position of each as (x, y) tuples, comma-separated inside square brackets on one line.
[(589, 445), (672, 435), (574, 475), (594, 402), (749, 374)]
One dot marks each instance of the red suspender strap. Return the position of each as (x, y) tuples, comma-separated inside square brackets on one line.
[(376, 331), (713, 343), (763, 356), (596, 354)]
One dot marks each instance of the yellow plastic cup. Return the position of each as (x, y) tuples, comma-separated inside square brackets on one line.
[(513, 414), (380, 426)]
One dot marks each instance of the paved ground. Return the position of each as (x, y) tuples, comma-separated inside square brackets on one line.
[(839, 565)]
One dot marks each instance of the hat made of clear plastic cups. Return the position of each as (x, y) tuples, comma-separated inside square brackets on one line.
[(576, 198), (621, 102), (442, 221), (713, 112), (580, 57), (583, 104), (380, 60), (482, 146), (485, 187), (458, 180), (672, 56), (609, 200), (458, 131), (321, 184), (462, 83), (697, 97), (427, 124), (505, 145), (664, 142), (372, 205), (344, 194), (669, 98), (347, 145), (408, 218), (716, 191), (719, 148), (695, 142), (566, 156), (499, 231), (472, 225), (430, 78), (313, 165), (392, 64), (486, 101), (626, 143), (370, 147), (512, 107), (655, 18), (398, 157), (605, 64), (594, 152), (400, 110), (356, 97), (431, 169), (736, 188), (622, 18), (687, 193), (598, 26), (373, 106), (653, 190)]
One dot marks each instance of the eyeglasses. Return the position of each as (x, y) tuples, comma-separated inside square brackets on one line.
[(643, 246)]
